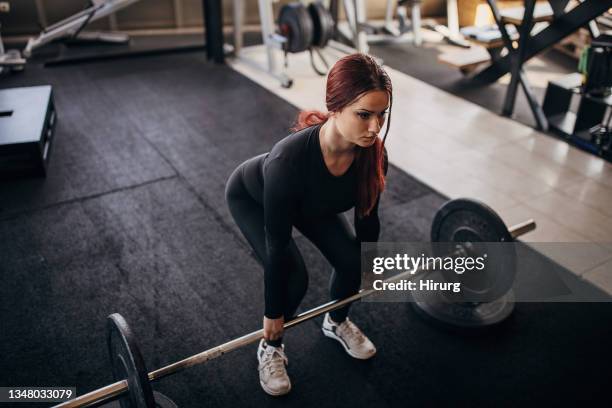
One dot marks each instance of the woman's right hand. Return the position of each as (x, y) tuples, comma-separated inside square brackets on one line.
[(273, 328)]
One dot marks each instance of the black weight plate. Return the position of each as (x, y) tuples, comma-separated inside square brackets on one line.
[(161, 401), (469, 221), (127, 363), (296, 25), (436, 308), (323, 24)]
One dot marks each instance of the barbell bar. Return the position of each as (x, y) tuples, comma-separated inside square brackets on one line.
[(119, 388)]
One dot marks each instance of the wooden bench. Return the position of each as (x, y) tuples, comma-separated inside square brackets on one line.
[(467, 60), (488, 36), (514, 15)]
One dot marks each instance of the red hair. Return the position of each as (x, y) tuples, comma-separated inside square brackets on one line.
[(349, 79)]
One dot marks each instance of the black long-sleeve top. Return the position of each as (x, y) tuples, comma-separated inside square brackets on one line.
[(297, 183)]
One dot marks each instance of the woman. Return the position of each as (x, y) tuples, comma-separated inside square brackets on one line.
[(333, 162)]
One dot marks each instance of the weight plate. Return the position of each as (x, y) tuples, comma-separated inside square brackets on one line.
[(295, 25), (480, 232), (468, 220), (323, 24), (127, 363), (435, 306), (161, 401)]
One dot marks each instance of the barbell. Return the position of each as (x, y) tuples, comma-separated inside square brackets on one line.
[(457, 221)]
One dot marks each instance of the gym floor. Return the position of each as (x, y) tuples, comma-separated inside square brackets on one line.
[(132, 219)]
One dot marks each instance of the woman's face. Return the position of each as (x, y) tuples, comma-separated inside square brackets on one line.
[(360, 122)]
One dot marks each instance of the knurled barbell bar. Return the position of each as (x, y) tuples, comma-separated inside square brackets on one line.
[(460, 220)]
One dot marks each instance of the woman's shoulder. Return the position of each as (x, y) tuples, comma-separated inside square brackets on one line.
[(292, 148)]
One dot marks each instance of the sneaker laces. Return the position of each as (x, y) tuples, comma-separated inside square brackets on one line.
[(351, 331), (274, 361)]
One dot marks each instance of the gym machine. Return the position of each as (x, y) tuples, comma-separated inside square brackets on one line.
[(11, 59), (72, 26), (360, 33), (450, 32), (301, 27)]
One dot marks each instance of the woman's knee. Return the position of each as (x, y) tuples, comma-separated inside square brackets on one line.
[(346, 275), (349, 263), (234, 190), (346, 280), (298, 284), (297, 281)]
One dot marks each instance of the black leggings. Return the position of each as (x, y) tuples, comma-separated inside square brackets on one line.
[(331, 234)]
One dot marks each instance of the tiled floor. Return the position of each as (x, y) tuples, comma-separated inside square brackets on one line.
[(462, 150)]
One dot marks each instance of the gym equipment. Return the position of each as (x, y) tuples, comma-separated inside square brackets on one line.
[(72, 26), (10, 59), (599, 67), (450, 32), (127, 362), (306, 29), (404, 25), (296, 26), (448, 223), (27, 125), (582, 119), (300, 28), (323, 24), (481, 302), (563, 24), (360, 33)]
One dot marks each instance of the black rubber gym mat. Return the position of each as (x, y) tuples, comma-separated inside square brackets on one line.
[(133, 220)]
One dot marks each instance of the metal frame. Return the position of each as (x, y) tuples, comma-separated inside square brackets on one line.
[(272, 41), (356, 19), (402, 16), (529, 46), (450, 31), (177, 5), (70, 25), (40, 11), (517, 59), (9, 59), (213, 30)]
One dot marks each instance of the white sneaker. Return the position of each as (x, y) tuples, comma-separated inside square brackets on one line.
[(355, 343), (272, 373)]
